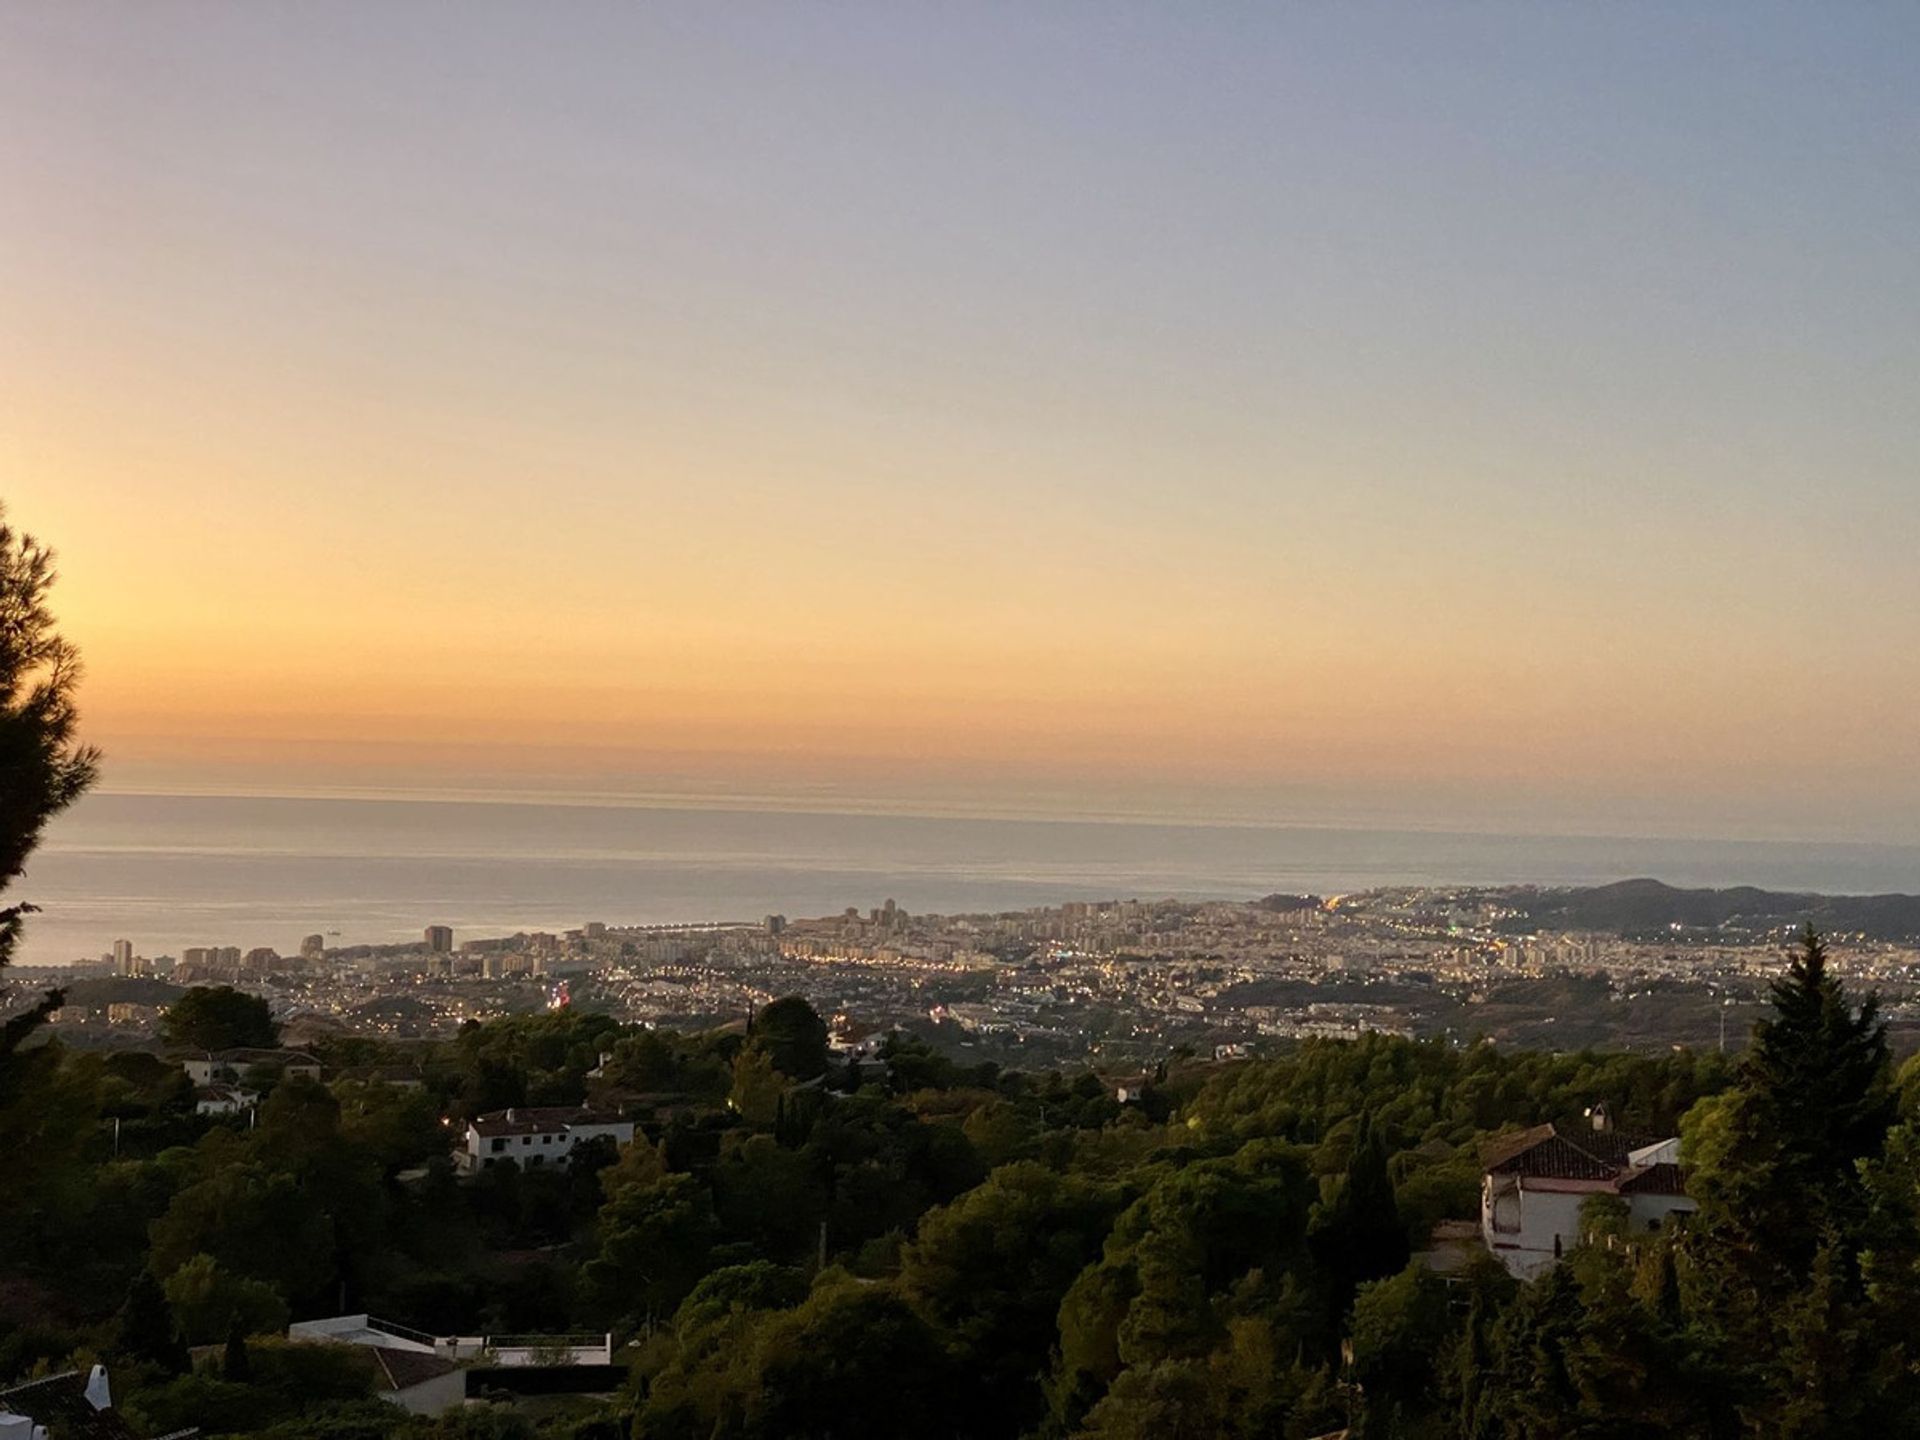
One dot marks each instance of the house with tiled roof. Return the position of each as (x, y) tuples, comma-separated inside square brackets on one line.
[(76, 1405), (1536, 1181), (534, 1135), (222, 1099)]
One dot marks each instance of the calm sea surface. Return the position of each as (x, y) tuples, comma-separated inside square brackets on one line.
[(172, 871)]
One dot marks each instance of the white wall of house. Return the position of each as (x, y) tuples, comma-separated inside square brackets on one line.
[(430, 1397), (1521, 1224), (619, 1131), (527, 1151), (1521, 1220)]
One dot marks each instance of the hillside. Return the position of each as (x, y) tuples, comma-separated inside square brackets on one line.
[(1642, 907)]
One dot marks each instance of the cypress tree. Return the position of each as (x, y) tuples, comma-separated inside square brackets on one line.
[(234, 1364), (1372, 1217), (146, 1329)]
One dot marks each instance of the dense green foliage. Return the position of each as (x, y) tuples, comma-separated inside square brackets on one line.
[(964, 1252), (219, 1017)]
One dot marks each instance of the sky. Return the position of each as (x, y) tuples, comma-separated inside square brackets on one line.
[(1491, 416)]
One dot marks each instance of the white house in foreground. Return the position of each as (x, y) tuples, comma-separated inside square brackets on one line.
[(1536, 1182), (536, 1135)]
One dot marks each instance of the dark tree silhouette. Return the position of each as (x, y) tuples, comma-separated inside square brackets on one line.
[(1815, 1099), (219, 1017), (235, 1364), (43, 769), (146, 1330), (793, 1036)]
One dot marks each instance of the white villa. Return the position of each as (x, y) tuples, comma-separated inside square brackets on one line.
[(228, 1067), (1536, 1182), (222, 1099), (544, 1135)]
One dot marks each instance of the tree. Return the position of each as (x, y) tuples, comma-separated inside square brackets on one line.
[(655, 1244), (1399, 1327), (1358, 1236), (146, 1329), (258, 1222), (757, 1087), (233, 1360), (1782, 1173), (219, 1017), (209, 1301), (852, 1360), (43, 769), (989, 1272), (793, 1036)]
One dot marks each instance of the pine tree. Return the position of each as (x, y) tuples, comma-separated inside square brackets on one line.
[(42, 768), (1823, 1069), (1815, 1099)]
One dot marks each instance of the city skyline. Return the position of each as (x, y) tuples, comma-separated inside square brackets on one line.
[(1488, 421)]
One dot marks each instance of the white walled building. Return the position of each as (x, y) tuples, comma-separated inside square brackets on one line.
[(544, 1135), (1536, 1182), (227, 1067)]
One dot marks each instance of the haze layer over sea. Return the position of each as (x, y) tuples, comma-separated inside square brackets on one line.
[(170, 871)]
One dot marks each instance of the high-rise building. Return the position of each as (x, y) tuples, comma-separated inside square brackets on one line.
[(439, 938), (314, 947), (123, 957)]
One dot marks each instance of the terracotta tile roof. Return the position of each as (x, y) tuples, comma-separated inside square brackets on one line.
[(542, 1119), (1547, 1152), (60, 1403), (1662, 1179), (1502, 1148)]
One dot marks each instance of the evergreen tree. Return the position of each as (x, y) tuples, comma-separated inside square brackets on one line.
[(234, 1364), (1359, 1236), (793, 1036), (43, 769), (146, 1329), (1815, 1100), (1373, 1219)]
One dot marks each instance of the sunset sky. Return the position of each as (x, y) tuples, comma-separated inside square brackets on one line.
[(1469, 416)]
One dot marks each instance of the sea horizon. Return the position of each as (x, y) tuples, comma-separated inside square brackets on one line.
[(169, 870)]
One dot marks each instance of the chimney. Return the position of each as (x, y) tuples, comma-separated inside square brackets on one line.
[(98, 1395), (510, 1114)]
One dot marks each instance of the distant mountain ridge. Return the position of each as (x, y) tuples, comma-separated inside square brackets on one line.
[(1639, 907)]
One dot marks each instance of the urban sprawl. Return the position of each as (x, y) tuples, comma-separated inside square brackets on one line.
[(1113, 983)]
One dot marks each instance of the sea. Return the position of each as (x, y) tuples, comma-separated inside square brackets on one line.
[(171, 871)]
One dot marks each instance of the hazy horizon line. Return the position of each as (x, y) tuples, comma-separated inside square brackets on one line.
[(870, 806)]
